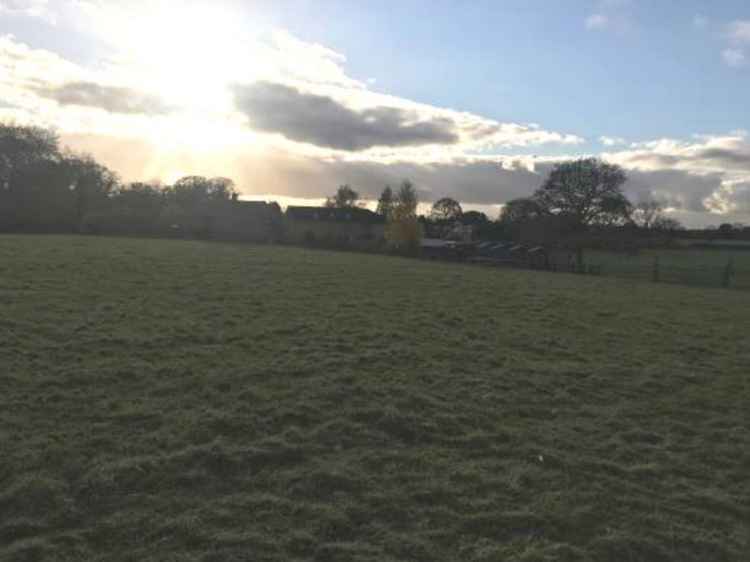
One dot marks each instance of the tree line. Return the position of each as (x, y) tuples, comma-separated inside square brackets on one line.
[(578, 196), (44, 187)]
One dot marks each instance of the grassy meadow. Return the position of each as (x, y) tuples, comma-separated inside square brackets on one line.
[(194, 401), (696, 267)]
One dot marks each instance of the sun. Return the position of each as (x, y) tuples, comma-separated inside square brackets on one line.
[(194, 55), (185, 52)]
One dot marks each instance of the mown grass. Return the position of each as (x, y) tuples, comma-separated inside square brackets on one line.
[(170, 400), (702, 268)]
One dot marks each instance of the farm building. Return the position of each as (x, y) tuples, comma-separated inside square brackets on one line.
[(510, 253), (353, 226)]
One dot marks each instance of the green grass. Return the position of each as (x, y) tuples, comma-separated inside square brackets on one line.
[(170, 400), (704, 268)]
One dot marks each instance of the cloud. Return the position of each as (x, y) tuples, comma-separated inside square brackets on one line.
[(30, 8), (283, 173), (737, 35), (679, 189), (597, 21), (50, 90), (114, 99), (299, 124), (611, 141), (740, 196), (691, 177), (733, 57), (738, 31), (323, 121), (694, 176), (610, 14), (387, 127)]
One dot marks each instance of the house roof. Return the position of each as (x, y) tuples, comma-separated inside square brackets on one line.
[(349, 214), (253, 204), (254, 208)]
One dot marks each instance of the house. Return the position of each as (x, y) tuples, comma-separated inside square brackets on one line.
[(255, 221), (340, 227), (232, 219)]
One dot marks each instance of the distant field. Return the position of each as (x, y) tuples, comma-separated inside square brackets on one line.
[(171, 400), (703, 268)]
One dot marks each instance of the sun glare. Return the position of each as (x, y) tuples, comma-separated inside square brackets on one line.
[(186, 53)]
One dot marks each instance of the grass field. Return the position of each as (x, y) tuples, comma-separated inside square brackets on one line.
[(704, 268), (171, 400)]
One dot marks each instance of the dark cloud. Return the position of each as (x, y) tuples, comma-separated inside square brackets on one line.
[(653, 159), (323, 121), (110, 98), (679, 189), (472, 182), (740, 197), (738, 158), (726, 157)]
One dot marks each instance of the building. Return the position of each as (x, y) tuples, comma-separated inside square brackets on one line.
[(254, 221), (334, 227)]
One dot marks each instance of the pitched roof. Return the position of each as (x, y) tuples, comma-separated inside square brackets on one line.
[(349, 214)]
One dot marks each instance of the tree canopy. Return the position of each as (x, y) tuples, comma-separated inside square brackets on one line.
[(344, 197), (403, 228), (385, 202), (474, 218), (43, 187), (648, 214), (587, 190), (446, 209), (521, 210)]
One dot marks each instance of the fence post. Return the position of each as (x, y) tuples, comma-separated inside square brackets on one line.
[(726, 277), (655, 270)]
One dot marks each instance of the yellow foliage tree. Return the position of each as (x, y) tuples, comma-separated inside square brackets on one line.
[(403, 230)]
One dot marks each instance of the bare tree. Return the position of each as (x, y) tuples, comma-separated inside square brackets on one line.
[(646, 212)]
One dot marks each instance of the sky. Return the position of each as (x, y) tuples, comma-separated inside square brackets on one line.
[(472, 100)]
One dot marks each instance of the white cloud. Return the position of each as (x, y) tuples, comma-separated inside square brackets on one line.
[(736, 36), (612, 15), (30, 8), (733, 57), (195, 127), (696, 176), (115, 98), (597, 21), (738, 31)]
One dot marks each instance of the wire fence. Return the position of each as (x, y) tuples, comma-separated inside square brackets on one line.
[(729, 273)]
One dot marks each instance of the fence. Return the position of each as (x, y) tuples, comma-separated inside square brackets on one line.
[(690, 268)]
